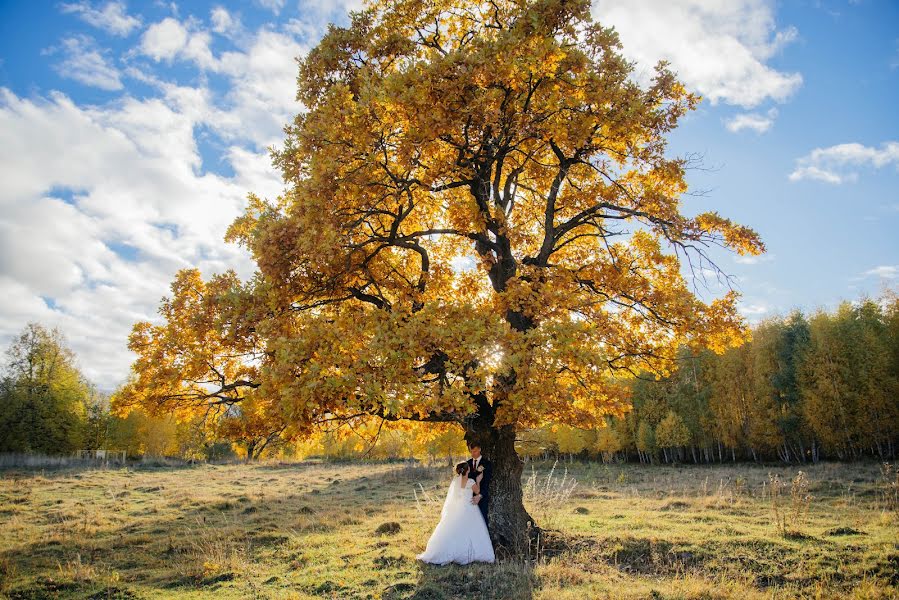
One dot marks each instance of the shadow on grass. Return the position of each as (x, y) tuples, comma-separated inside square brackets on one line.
[(499, 581)]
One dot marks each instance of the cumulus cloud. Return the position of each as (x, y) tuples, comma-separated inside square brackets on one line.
[(104, 203), (101, 207), (262, 96), (170, 38), (835, 164), (86, 62), (261, 73), (164, 40), (719, 49), (760, 123), (112, 18)]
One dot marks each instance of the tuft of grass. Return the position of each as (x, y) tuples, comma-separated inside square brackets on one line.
[(788, 518), (548, 496), (888, 487), (390, 528), (212, 556)]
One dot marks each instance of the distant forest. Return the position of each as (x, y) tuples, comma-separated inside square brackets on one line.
[(804, 388)]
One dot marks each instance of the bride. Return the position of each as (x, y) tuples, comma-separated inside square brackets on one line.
[(461, 535)]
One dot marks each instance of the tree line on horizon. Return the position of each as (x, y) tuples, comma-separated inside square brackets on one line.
[(805, 388)]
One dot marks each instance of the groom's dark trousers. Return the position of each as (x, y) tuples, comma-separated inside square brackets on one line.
[(485, 484)]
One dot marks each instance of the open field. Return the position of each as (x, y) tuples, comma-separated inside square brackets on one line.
[(314, 530)]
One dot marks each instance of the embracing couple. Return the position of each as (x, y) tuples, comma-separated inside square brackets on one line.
[(461, 536)]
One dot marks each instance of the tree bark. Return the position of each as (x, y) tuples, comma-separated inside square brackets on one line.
[(511, 527), (251, 448)]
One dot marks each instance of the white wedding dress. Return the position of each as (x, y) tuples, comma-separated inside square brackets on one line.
[(461, 535)]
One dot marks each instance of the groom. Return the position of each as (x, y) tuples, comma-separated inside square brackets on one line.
[(478, 465)]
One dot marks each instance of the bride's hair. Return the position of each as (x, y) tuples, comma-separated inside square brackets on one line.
[(462, 468)]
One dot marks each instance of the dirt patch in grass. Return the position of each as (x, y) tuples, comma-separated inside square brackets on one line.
[(648, 555)]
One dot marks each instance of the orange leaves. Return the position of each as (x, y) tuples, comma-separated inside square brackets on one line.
[(192, 361), (719, 326), (738, 237)]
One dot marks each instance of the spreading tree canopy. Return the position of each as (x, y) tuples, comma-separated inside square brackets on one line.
[(480, 225)]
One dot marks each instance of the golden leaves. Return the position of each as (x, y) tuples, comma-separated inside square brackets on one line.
[(738, 237)]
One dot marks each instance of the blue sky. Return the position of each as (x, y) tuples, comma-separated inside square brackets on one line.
[(130, 134)]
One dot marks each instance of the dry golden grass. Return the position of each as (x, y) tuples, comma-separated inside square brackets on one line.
[(313, 530)]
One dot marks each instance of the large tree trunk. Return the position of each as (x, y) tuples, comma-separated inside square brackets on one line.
[(251, 450), (511, 527)]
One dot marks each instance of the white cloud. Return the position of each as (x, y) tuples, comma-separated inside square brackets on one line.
[(719, 49), (314, 10), (857, 154), (760, 123), (84, 61), (818, 174), (164, 40), (262, 96), (833, 164), (112, 18), (102, 205), (169, 39), (223, 22), (753, 311), (273, 5), (753, 260), (197, 50), (261, 74), (883, 271)]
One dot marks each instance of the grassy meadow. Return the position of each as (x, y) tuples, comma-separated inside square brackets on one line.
[(319, 530)]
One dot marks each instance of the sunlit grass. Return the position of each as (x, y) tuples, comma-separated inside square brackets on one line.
[(313, 530)]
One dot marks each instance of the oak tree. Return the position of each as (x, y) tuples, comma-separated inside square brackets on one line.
[(480, 225)]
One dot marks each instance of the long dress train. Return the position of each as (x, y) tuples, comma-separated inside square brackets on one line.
[(461, 536)]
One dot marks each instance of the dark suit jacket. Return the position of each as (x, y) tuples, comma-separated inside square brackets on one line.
[(485, 482)]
